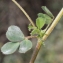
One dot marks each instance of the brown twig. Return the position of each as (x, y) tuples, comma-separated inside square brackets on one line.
[(28, 37)]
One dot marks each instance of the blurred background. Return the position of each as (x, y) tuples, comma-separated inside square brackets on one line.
[(10, 14)]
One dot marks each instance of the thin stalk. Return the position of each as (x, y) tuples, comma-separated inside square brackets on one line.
[(38, 46), (29, 37), (20, 7), (34, 55)]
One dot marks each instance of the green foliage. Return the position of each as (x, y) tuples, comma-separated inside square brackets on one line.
[(47, 11), (10, 47), (40, 22), (14, 34), (42, 32), (35, 31), (46, 17), (30, 27), (25, 45), (17, 38)]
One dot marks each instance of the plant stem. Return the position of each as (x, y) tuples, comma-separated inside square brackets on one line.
[(38, 46), (57, 19), (28, 37), (20, 7), (34, 55)]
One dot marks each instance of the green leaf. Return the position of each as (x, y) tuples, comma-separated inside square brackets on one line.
[(48, 19), (30, 27), (41, 15), (45, 16), (9, 47), (40, 22), (14, 34), (47, 11), (35, 31), (25, 45), (42, 32)]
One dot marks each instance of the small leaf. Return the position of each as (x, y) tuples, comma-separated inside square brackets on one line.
[(30, 27), (47, 11), (48, 19), (35, 31), (41, 15), (42, 32), (45, 16), (40, 22), (9, 47), (25, 45), (14, 34)]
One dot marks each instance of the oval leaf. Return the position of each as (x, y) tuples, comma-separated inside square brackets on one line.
[(40, 22), (40, 15), (35, 31), (48, 19), (47, 11), (25, 45), (9, 47), (14, 34)]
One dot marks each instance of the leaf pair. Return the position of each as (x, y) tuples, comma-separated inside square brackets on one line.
[(15, 35), (40, 22), (11, 47), (44, 18)]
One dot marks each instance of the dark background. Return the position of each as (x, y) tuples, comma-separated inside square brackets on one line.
[(10, 14)]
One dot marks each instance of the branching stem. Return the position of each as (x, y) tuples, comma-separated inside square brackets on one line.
[(20, 7), (39, 44)]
